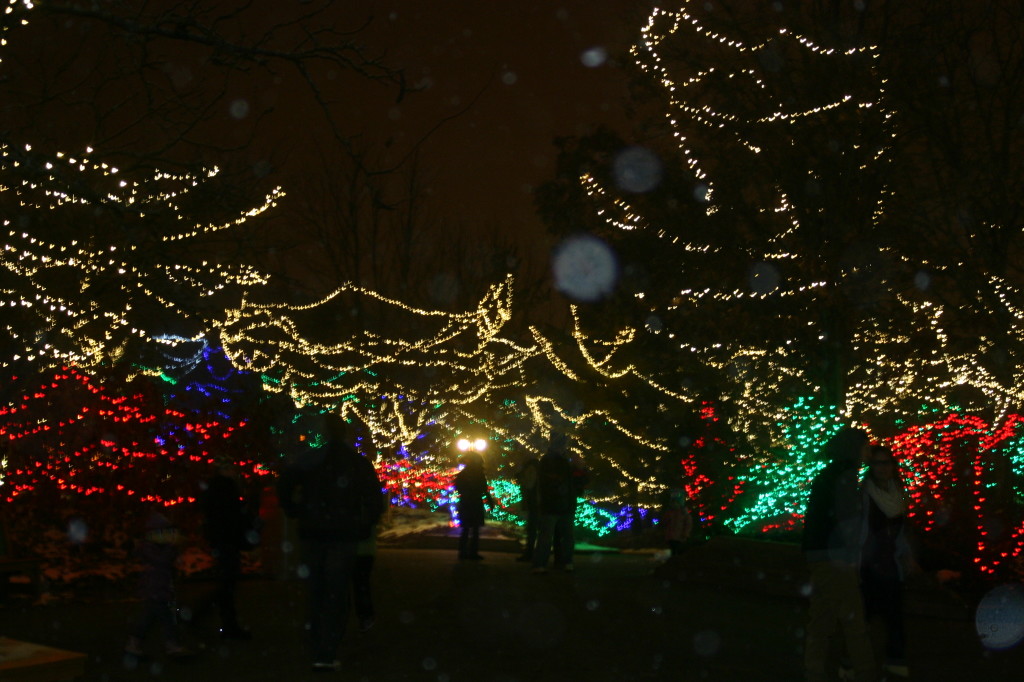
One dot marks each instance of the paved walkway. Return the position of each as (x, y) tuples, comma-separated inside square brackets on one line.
[(726, 612)]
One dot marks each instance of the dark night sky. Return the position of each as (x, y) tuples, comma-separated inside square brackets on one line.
[(525, 61)]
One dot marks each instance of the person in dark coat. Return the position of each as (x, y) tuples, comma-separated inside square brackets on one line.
[(226, 522), (559, 482), (362, 581), (676, 520), (474, 493), (335, 495), (527, 478), (832, 541), (158, 553), (886, 556)]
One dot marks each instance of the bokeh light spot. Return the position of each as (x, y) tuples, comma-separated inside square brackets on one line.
[(239, 108), (999, 618), (594, 57), (707, 643), (764, 278), (637, 170), (585, 268)]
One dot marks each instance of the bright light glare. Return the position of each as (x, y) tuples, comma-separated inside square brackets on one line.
[(480, 445), (463, 444)]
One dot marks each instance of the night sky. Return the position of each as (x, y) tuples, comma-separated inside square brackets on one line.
[(516, 73), (525, 60)]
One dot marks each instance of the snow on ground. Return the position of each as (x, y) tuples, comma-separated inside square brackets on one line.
[(399, 522)]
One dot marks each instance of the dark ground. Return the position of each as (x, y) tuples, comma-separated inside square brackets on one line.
[(728, 610)]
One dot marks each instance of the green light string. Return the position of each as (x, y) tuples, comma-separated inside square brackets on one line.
[(782, 486)]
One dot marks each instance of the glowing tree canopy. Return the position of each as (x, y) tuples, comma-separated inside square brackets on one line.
[(765, 215), (73, 434), (86, 267)]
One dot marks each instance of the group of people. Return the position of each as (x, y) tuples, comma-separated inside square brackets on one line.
[(549, 486), (855, 542), (335, 496), (229, 527)]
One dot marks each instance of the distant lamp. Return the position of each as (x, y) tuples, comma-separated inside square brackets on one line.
[(465, 445)]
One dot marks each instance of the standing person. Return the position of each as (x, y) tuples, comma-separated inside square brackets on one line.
[(832, 541), (336, 496), (159, 554), (676, 520), (579, 478), (527, 477), (886, 554), (362, 584), (557, 490), (226, 521), (471, 484)]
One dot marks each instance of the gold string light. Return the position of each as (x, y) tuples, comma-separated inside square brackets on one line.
[(72, 322)]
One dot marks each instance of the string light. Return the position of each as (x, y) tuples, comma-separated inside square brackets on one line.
[(758, 478), (80, 437)]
